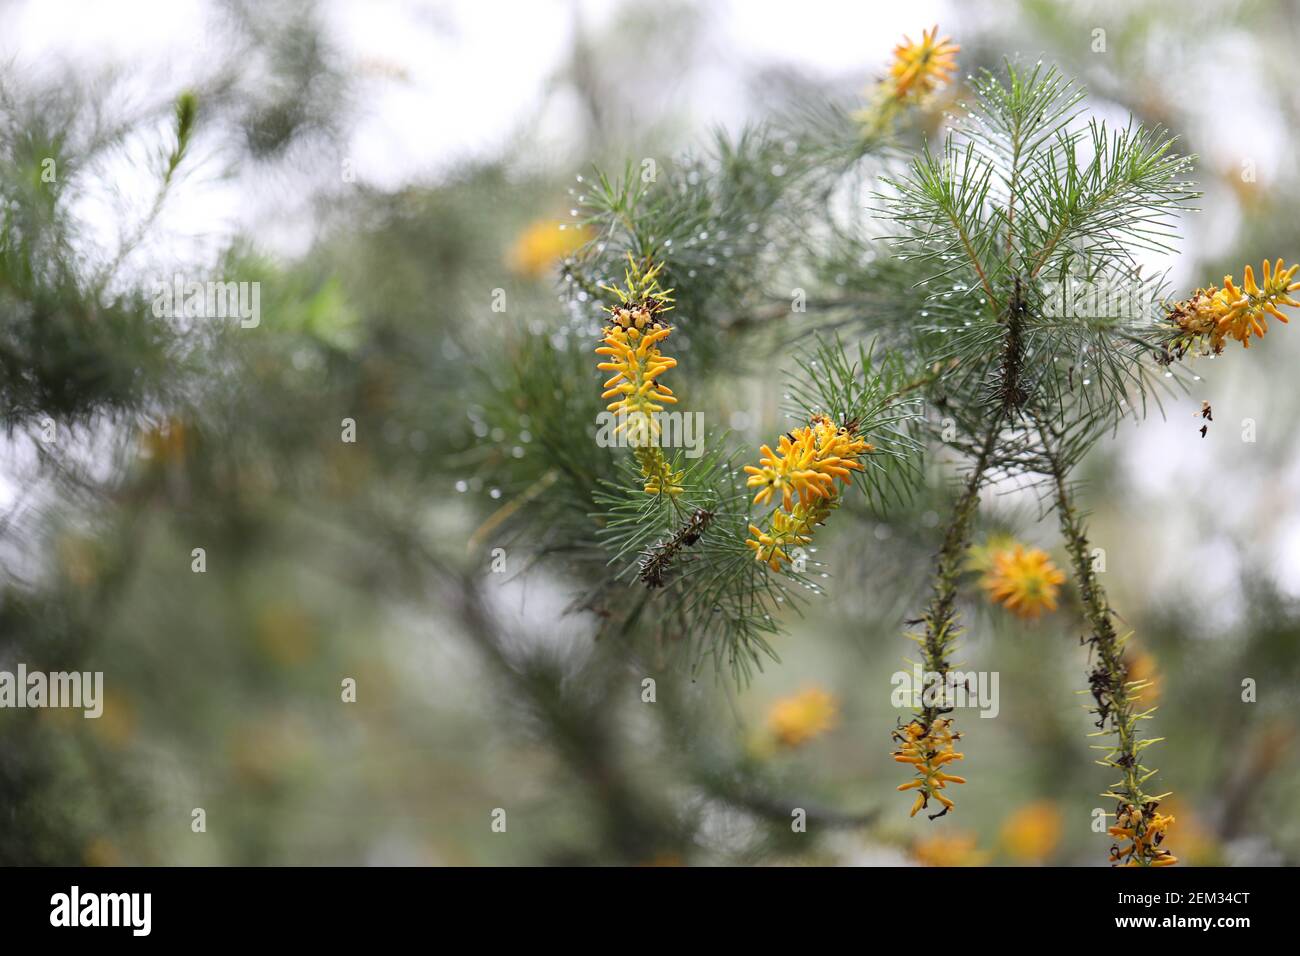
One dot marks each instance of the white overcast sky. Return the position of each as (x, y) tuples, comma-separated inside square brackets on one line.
[(448, 79)]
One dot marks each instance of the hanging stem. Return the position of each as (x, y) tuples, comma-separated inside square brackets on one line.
[(1108, 681), (940, 616), (927, 743), (1114, 694)]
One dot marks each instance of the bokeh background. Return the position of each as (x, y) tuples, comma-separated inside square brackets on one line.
[(380, 168)]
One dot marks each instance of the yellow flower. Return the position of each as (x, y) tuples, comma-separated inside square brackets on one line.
[(805, 466), (796, 719), (785, 533), (630, 344), (957, 849), (920, 68), (1032, 832), (780, 470), (917, 70), (1024, 581), (928, 750), (1212, 316), (1143, 832), (542, 244), (637, 363), (806, 463)]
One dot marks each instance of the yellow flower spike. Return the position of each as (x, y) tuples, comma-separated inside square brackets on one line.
[(806, 463), (636, 363), (927, 749), (1024, 581), (1144, 831), (803, 469), (1212, 316), (630, 345)]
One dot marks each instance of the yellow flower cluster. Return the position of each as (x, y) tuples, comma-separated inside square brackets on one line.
[(928, 750), (917, 70), (806, 463), (785, 533), (802, 470), (630, 344), (796, 719), (921, 68), (637, 363), (1023, 580), (1145, 831), (1214, 315)]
